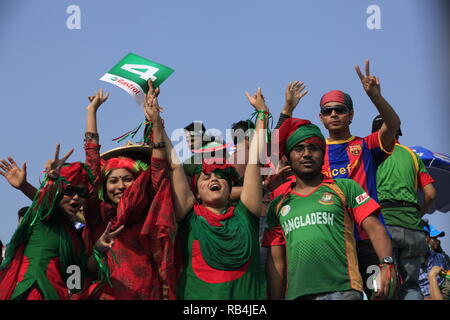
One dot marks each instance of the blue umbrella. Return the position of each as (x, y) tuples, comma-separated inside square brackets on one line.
[(438, 165)]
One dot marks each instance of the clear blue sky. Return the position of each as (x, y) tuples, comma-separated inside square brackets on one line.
[(219, 49)]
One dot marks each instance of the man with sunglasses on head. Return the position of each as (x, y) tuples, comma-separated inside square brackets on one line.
[(357, 158)]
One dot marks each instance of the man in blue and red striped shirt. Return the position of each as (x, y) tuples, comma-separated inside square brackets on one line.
[(356, 158)]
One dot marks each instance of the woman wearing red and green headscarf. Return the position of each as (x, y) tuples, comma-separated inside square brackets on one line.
[(219, 242), (138, 196), (46, 249)]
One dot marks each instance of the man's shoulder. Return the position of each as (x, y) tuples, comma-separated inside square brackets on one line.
[(345, 182)]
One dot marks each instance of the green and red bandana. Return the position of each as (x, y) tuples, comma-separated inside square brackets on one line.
[(134, 166), (294, 131), (219, 167), (77, 173), (337, 96)]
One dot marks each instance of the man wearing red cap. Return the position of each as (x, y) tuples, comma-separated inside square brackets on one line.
[(356, 158), (310, 235)]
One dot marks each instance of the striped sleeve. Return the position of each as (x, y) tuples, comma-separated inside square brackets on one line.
[(359, 203), (379, 152)]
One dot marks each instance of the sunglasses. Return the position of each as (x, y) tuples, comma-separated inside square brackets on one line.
[(81, 192), (326, 111)]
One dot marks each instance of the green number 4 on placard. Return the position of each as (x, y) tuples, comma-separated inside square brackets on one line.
[(136, 69)]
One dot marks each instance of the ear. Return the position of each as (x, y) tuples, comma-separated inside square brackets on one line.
[(350, 115), (320, 117), (287, 160)]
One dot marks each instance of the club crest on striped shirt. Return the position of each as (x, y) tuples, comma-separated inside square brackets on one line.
[(355, 150), (327, 198)]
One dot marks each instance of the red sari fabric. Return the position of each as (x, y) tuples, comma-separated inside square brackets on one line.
[(144, 249)]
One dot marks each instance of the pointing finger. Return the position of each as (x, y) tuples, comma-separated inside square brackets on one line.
[(358, 71), (367, 68), (150, 87), (56, 152), (67, 155), (108, 228), (116, 232)]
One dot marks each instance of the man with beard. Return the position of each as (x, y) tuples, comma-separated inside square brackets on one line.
[(310, 234)]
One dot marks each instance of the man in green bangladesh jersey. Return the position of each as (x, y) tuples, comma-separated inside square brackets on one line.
[(312, 251), (398, 178)]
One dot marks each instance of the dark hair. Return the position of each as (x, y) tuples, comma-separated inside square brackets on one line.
[(22, 212), (243, 125), (378, 122), (193, 125)]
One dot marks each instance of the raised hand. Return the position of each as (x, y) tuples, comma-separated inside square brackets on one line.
[(151, 90), (257, 100), (97, 99), (53, 167), (271, 182), (435, 271), (106, 241), (371, 84), (15, 176), (294, 93), (151, 105)]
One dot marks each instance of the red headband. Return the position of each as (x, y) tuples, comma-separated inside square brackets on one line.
[(75, 173)]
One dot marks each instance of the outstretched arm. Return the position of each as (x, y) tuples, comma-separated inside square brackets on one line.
[(91, 117), (251, 195), (182, 193), (391, 124), (152, 112), (17, 177)]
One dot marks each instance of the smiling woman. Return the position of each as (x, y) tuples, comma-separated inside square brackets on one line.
[(132, 189)]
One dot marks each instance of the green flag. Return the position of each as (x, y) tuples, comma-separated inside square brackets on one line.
[(132, 72)]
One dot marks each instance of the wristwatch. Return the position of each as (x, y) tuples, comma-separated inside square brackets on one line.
[(388, 260), (159, 145)]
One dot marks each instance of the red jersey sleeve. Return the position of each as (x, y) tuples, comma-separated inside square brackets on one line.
[(378, 151)]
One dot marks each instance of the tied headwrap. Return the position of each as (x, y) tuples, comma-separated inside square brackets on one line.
[(77, 173), (337, 96), (223, 170), (43, 206), (294, 131), (45, 200), (134, 166)]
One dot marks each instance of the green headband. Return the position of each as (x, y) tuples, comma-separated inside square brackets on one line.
[(302, 133)]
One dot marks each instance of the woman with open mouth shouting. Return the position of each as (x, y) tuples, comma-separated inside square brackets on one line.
[(45, 258), (219, 242)]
